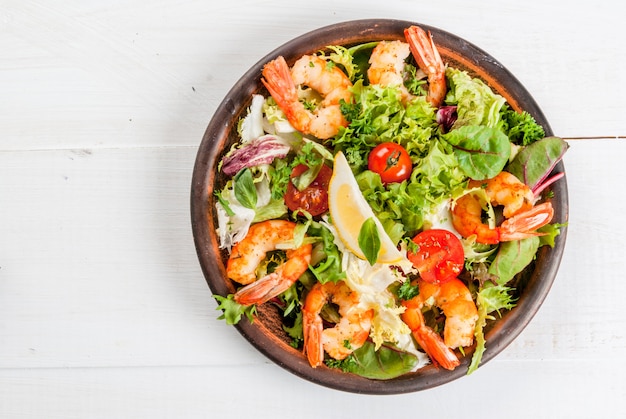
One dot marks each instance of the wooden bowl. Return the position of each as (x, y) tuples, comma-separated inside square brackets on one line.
[(265, 333)]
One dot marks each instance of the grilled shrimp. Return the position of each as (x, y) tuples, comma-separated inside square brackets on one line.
[(455, 300), (388, 59), (522, 218), (247, 254), (313, 71), (387, 65), (346, 336), (428, 59)]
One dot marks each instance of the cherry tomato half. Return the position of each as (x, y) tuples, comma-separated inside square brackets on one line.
[(439, 257), (391, 161), (313, 198)]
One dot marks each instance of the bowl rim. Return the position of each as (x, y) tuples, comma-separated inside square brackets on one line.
[(466, 55)]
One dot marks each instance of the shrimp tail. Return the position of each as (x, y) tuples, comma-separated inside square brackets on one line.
[(525, 224), (429, 340), (262, 290), (428, 59), (312, 328), (277, 79), (279, 83), (436, 349)]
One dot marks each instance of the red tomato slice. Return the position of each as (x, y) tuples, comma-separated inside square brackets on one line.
[(391, 161), (313, 199), (439, 257)]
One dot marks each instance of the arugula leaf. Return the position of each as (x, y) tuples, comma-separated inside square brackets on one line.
[(369, 240), (245, 191)]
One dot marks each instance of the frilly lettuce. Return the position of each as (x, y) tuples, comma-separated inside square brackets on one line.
[(378, 115), (251, 127), (372, 282)]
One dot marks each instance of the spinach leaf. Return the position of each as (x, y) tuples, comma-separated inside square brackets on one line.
[(535, 162), (369, 240), (482, 151), (385, 363), (512, 258), (245, 191)]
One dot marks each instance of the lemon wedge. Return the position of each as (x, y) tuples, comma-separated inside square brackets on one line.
[(349, 210)]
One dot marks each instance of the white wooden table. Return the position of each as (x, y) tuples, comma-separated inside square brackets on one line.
[(104, 312)]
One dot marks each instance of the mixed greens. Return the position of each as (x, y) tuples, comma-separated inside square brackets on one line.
[(475, 135)]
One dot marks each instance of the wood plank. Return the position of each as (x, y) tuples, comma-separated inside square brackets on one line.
[(563, 389)]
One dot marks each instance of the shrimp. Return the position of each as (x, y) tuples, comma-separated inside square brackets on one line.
[(247, 254), (349, 334), (428, 59), (507, 190), (388, 58), (387, 65), (455, 300), (522, 218), (315, 72)]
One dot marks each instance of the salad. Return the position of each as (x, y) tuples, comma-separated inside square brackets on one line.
[(385, 203)]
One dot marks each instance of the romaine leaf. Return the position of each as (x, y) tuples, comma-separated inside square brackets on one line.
[(482, 151), (329, 266), (276, 208), (476, 103)]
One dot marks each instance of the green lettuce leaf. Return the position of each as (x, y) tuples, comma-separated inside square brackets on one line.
[(521, 127), (488, 300), (378, 115), (476, 103), (232, 311)]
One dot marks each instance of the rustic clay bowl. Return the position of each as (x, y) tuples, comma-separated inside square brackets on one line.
[(265, 333)]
